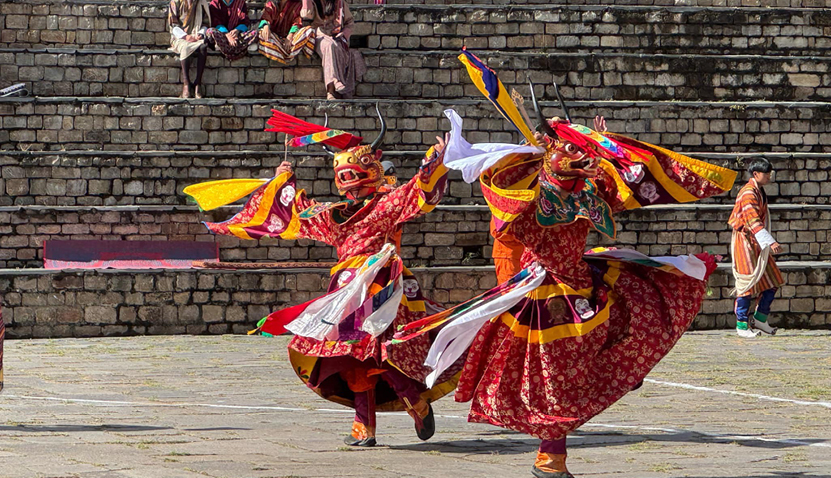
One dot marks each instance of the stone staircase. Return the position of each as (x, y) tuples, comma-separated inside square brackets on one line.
[(795, 26), (104, 148), (434, 74), (219, 124)]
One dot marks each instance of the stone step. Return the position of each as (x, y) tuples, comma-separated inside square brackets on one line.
[(83, 123), (649, 28), (95, 178), (40, 303), (357, 4), (429, 74), (742, 4), (655, 28), (450, 235)]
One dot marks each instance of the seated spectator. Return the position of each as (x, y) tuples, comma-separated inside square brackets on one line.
[(188, 21), (342, 66), (229, 30), (282, 36)]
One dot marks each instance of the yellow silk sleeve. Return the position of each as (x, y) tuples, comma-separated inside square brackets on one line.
[(214, 194)]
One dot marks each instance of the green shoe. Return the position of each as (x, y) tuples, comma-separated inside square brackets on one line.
[(760, 322)]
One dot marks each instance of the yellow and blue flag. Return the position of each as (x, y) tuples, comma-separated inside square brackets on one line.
[(485, 79)]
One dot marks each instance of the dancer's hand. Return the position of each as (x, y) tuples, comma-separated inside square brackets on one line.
[(284, 167), (600, 124), (437, 149), (776, 248), (441, 143)]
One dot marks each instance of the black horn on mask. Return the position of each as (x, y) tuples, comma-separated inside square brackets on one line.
[(544, 126), (331, 152), (380, 138), (562, 102)]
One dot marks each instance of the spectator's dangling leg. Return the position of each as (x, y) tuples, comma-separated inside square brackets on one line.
[(185, 77), (200, 68), (334, 59)]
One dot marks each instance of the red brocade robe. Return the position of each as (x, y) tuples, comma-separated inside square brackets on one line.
[(277, 210), (594, 328)]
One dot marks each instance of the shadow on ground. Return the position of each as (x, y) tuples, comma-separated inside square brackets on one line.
[(773, 474), (80, 428), (105, 428), (507, 442)]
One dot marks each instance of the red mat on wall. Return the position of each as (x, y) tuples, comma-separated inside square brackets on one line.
[(97, 254)]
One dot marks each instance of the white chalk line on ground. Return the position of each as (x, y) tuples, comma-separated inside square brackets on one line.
[(740, 394), (712, 436)]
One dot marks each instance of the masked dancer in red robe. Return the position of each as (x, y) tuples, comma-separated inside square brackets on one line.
[(574, 331), (339, 348)]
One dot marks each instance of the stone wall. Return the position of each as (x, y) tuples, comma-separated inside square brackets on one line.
[(677, 27), (434, 74), (84, 304), (657, 3), (155, 178), (97, 155), (448, 236), (214, 124)]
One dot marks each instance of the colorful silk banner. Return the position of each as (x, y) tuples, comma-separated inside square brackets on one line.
[(487, 82)]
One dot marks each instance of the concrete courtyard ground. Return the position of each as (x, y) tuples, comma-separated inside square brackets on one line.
[(230, 406)]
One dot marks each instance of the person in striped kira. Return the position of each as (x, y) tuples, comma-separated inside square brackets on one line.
[(752, 249)]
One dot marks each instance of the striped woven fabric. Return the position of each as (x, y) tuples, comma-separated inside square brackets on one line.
[(749, 216), (278, 49)]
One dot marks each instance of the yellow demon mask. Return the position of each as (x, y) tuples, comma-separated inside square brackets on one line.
[(359, 168)]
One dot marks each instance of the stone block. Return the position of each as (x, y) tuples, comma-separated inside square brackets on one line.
[(212, 314), (98, 315)]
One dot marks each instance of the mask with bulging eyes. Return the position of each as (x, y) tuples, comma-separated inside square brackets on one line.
[(565, 159), (358, 168)]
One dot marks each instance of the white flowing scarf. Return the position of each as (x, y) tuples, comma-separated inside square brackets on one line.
[(456, 336), (321, 319), (472, 159)]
